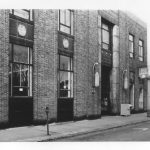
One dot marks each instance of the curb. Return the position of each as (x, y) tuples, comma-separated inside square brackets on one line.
[(90, 131), (56, 137)]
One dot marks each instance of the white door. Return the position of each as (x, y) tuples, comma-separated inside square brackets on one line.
[(132, 95), (141, 99)]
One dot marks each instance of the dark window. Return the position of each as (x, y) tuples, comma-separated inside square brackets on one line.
[(141, 51), (132, 77), (23, 13), (65, 76), (131, 46), (106, 38), (20, 70), (66, 21)]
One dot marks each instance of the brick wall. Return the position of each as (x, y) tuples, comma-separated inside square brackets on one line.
[(86, 53), (45, 64), (128, 25), (4, 45)]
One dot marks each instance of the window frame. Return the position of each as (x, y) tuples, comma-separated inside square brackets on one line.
[(131, 53), (109, 33), (29, 65), (141, 57), (71, 74), (71, 20), (29, 11)]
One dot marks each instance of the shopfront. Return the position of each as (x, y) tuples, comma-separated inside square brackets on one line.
[(65, 66), (20, 67)]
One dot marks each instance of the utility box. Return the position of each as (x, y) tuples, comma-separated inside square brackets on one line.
[(126, 109)]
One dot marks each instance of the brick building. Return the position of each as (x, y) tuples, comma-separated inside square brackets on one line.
[(79, 64)]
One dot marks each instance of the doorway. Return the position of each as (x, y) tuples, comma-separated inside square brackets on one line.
[(105, 90), (131, 95)]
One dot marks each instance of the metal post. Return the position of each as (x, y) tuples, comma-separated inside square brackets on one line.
[(47, 123)]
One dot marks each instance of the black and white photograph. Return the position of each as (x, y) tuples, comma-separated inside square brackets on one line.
[(73, 74)]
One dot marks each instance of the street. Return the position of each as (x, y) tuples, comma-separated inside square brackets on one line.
[(139, 132)]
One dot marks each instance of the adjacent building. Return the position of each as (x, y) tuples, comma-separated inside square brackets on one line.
[(78, 63)]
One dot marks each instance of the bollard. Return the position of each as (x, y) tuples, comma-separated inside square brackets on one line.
[(47, 112)]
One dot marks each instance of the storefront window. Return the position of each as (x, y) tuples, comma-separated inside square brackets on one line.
[(20, 72), (66, 21), (65, 77)]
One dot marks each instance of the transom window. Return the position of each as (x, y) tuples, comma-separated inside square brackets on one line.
[(66, 21), (23, 13), (20, 70), (131, 46), (106, 37), (141, 50), (65, 77)]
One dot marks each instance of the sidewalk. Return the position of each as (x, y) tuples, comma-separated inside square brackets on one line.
[(59, 130)]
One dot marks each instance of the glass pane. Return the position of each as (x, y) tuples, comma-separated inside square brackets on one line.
[(71, 84), (20, 54), (31, 15), (10, 11), (71, 23), (140, 43), (140, 51), (105, 36), (131, 55), (10, 52), (105, 46), (65, 29), (10, 78), (71, 64), (30, 81), (104, 26), (64, 63), (130, 37), (62, 16), (140, 58), (67, 18), (20, 91), (130, 46), (64, 84), (16, 75), (30, 55), (99, 36), (24, 75), (141, 98), (21, 13)]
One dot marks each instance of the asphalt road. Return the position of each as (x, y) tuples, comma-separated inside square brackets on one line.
[(139, 132)]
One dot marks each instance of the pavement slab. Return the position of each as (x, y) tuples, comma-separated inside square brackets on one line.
[(67, 129)]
